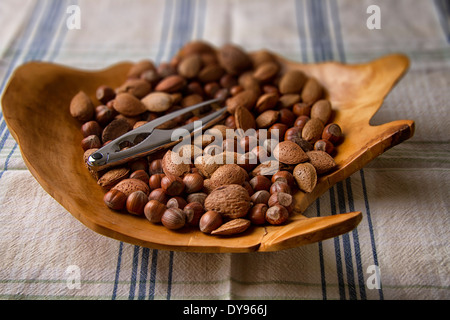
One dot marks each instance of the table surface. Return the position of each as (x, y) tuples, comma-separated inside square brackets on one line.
[(400, 250)]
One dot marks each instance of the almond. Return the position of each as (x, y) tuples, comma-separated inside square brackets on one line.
[(231, 201), (321, 110), (312, 131), (137, 87), (234, 59), (171, 84), (322, 161), (157, 101), (244, 119), (81, 107), (306, 176), (266, 71), (211, 73), (289, 152), (113, 176), (191, 100), (267, 118), (247, 81), (312, 91), (173, 164), (195, 47), (288, 100), (128, 105), (190, 66), (138, 68), (115, 129), (246, 99), (231, 227), (266, 102), (128, 186), (206, 165), (228, 174), (292, 82)]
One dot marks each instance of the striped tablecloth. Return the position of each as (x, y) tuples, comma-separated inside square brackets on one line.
[(400, 250)]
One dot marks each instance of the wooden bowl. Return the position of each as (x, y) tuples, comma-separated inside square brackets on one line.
[(36, 110)]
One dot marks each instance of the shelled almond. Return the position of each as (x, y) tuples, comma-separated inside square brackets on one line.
[(283, 143)]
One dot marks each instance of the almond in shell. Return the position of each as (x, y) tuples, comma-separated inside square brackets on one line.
[(128, 105), (128, 186), (246, 99), (229, 174), (81, 107), (234, 59), (115, 129), (244, 119), (113, 176), (292, 82), (266, 71), (306, 176), (321, 110), (312, 131), (190, 66), (321, 160), (171, 84), (232, 227), (157, 101), (267, 118), (312, 91), (173, 164), (289, 152)]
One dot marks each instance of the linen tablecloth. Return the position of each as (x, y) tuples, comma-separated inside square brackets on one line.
[(400, 250)]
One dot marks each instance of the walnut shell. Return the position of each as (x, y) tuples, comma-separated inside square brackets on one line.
[(231, 201)]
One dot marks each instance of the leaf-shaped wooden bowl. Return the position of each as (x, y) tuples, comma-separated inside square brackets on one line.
[(36, 109)]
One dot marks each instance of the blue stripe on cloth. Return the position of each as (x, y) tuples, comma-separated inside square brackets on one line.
[(369, 221), (151, 290), (169, 276), (116, 279), (186, 15), (351, 207), (337, 248), (43, 36), (321, 262), (443, 13), (346, 243), (299, 8), (134, 273), (143, 273)]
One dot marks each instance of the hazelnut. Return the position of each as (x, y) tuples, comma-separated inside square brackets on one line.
[(293, 134), (301, 121), (136, 202), (156, 166), (248, 187), (260, 183), (197, 197), (173, 218), (104, 114), (155, 180), (172, 185), (115, 199), (277, 214), (193, 182), (324, 145), (193, 211), (301, 109), (210, 221), (281, 127), (154, 210), (333, 133), (286, 175), (280, 186), (281, 198), (139, 164), (257, 213), (105, 94), (261, 196), (141, 175), (176, 202), (286, 117), (91, 142), (159, 195), (91, 128)]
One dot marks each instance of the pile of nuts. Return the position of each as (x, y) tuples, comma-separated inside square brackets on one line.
[(218, 198)]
